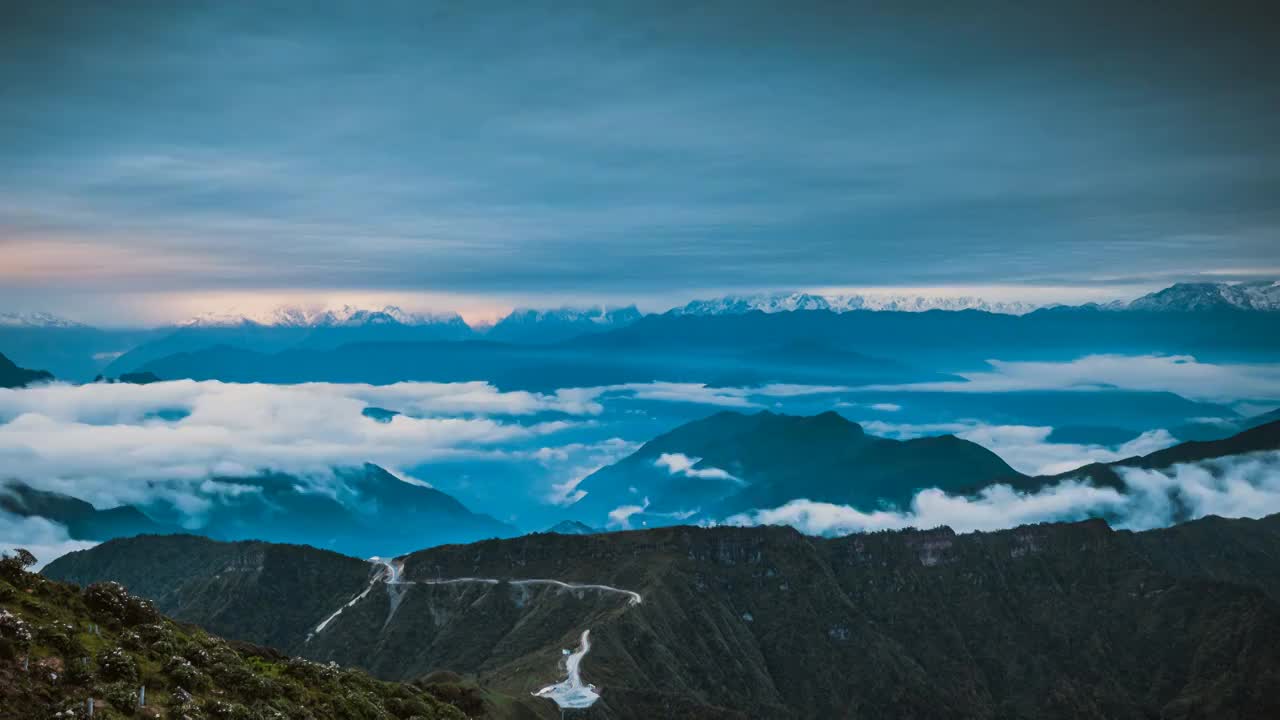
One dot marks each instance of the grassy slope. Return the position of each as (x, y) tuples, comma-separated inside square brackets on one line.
[(46, 626)]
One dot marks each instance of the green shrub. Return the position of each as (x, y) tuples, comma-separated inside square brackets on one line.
[(122, 696), (224, 710), (117, 664), (61, 637), (15, 630), (182, 674), (110, 601), (78, 670)]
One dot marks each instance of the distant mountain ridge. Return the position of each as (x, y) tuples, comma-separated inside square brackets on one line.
[(366, 511), (12, 376), (1254, 295), (730, 462), (740, 330), (303, 317), (82, 520), (546, 326), (288, 328)]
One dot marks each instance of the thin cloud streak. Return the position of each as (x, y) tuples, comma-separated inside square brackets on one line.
[(1027, 448), (1244, 486), (1181, 374)]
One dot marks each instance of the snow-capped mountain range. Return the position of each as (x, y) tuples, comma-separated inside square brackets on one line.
[(300, 317), (1257, 296), (36, 319), (600, 315), (529, 325), (787, 302), (1261, 295)]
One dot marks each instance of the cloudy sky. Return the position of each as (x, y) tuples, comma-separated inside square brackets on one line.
[(476, 155)]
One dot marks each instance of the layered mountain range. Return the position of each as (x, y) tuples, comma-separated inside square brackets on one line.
[(899, 326), (814, 347), (1258, 295), (359, 511), (1058, 620)]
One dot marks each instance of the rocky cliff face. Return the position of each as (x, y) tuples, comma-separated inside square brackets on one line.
[(1067, 620)]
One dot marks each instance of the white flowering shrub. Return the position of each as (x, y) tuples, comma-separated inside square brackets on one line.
[(116, 664), (111, 601), (15, 629)]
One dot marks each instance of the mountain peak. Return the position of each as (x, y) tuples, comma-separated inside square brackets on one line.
[(572, 527)]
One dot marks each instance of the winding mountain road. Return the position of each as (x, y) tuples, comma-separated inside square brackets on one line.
[(633, 598), (325, 623), (569, 693), (391, 570)]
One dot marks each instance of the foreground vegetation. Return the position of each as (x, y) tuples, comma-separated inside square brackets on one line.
[(62, 648)]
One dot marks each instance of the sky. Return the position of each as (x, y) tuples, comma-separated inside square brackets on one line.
[(174, 157)]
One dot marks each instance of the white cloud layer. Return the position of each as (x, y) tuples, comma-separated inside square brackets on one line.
[(1244, 486), (102, 403), (1181, 374), (734, 397), (111, 444)]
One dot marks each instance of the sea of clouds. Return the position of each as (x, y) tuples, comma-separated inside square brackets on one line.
[(115, 444)]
